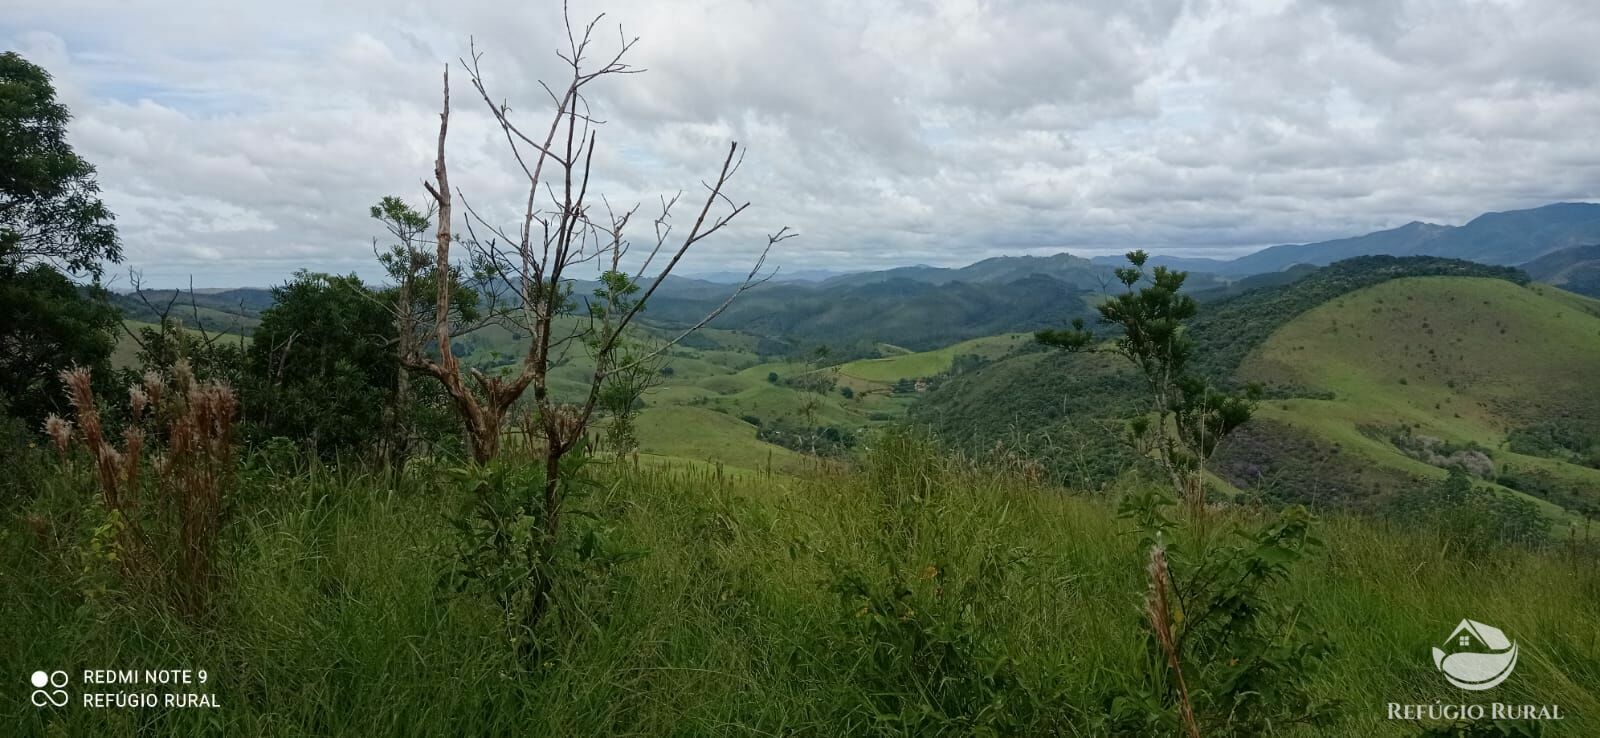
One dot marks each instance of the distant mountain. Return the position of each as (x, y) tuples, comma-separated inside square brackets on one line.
[(1508, 238), (1075, 271), (227, 310), (1072, 270), (916, 314), (1183, 263), (1576, 269), (780, 275)]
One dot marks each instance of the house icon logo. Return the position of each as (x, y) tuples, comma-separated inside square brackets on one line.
[(1476, 656)]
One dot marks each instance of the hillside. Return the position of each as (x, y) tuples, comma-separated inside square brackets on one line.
[(917, 315), (1422, 369), (1576, 269), (1385, 370), (736, 604), (218, 311)]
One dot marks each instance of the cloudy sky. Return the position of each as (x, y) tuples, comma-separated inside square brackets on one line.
[(240, 141)]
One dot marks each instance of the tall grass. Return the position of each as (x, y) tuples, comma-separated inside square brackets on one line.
[(917, 595)]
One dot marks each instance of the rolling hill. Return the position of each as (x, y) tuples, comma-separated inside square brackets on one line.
[(917, 315), (1576, 269), (1385, 371), (1425, 369)]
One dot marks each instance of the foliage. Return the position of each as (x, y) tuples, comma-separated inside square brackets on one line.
[(1223, 644), (161, 493), (1057, 410), (820, 382), (1468, 457), (824, 440), (916, 618), (320, 364), (1473, 520), (210, 356), (1191, 416), (507, 550), (1557, 438), (50, 209), (48, 324)]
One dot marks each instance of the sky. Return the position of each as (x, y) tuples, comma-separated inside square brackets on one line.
[(238, 142)]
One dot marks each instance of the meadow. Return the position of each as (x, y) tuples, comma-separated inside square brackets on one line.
[(915, 594)]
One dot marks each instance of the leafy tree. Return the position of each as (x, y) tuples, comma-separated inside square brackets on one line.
[(51, 218), (321, 363), (47, 324), (50, 208), (1190, 416)]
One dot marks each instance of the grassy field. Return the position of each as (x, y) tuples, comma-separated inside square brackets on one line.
[(1461, 359), (125, 354), (928, 363), (1021, 611), (703, 401)]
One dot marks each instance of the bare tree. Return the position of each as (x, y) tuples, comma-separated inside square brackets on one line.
[(528, 270)]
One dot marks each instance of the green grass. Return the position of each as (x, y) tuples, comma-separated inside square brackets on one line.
[(930, 363), (702, 434), (1464, 359), (330, 621)]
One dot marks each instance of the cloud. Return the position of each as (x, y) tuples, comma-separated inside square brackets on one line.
[(238, 142)]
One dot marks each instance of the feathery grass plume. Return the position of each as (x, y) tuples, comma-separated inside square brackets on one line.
[(1157, 610), (198, 465), (138, 400), (60, 432), (108, 462), (154, 383)]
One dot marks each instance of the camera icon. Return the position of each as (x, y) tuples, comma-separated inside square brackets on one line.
[(54, 696)]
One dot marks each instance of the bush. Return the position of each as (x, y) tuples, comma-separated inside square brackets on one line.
[(1473, 520), (1223, 650)]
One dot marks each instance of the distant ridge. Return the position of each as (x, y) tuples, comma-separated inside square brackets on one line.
[(1502, 239), (1576, 269)]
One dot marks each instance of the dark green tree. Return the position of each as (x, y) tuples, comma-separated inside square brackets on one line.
[(1189, 416), (321, 364), (50, 209), (47, 324), (51, 220)]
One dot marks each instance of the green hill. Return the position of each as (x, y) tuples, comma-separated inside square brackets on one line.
[(1423, 368), (928, 363), (1384, 371)]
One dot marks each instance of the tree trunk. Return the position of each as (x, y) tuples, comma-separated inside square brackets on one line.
[(484, 434)]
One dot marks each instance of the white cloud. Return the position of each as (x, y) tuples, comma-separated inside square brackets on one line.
[(238, 142)]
